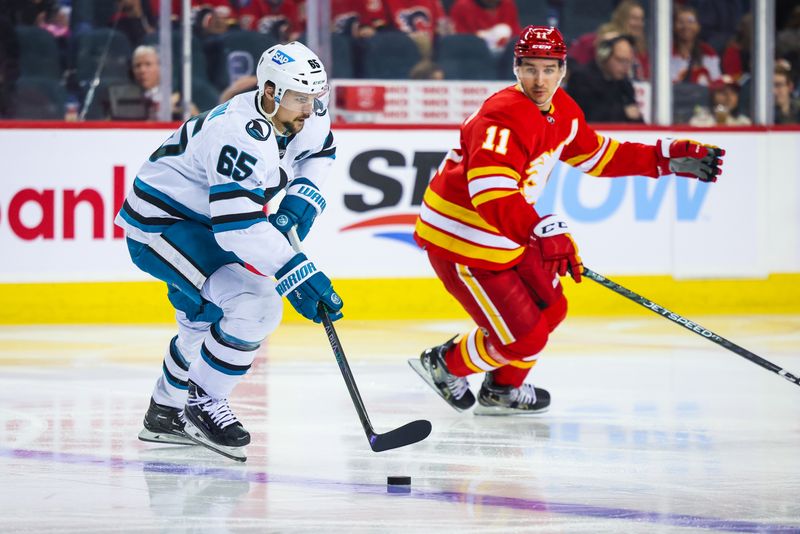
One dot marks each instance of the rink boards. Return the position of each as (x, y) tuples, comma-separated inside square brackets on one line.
[(731, 247)]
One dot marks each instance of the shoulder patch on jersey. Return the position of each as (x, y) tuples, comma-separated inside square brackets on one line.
[(259, 129), (319, 108)]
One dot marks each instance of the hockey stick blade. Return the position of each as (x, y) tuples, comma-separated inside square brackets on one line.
[(400, 437), (689, 325)]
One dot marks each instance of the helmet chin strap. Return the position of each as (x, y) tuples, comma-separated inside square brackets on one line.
[(261, 107)]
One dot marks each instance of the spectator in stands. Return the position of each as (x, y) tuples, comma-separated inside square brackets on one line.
[(281, 19), (692, 60), (9, 64), (718, 19), (626, 19), (130, 19), (787, 44), (241, 85), (736, 58), (787, 109), (422, 20), (426, 70), (494, 21), (29, 12), (724, 106), (603, 89), (147, 75)]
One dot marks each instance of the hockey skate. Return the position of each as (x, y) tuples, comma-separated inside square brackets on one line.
[(508, 400), (453, 389), (164, 424), (212, 424)]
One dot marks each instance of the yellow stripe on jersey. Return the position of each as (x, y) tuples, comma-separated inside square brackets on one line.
[(487, 306), (481, 198), (522, 364), (577, 160), (464, 248), (454, 211), (598, 169), (464, 350), (493, 170), (480, 343)]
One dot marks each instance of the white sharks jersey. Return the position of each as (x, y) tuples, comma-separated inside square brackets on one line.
[(218, 169)]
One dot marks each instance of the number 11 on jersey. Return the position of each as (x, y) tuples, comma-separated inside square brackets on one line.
[(502, 145)]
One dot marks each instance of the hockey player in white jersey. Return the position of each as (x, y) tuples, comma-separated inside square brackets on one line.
[(195, 220)]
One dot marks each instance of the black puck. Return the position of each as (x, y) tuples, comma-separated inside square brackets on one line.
[(398, 481)]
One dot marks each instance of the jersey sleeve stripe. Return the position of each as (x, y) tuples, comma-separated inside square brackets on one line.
[(455, 244), (577, 160), (494, 194), (480, 172), (254, 196), (587, 165), (325, 153), (479, 185), (233, 206), (610, 151), (465, 232), (454, 211), (237, 221)]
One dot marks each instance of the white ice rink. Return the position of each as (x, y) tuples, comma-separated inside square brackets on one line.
[(652, 429)]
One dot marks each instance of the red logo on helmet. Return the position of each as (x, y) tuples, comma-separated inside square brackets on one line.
[(542, 42)]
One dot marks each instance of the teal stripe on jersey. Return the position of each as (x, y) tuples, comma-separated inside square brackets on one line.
[(149, 228), (236, 225), (188, 213), (233, 186)]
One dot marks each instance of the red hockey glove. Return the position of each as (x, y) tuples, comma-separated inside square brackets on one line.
[(559, 252), (688, 158)]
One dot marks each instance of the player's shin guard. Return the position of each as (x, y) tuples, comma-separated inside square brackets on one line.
[(171, 387), (223, 361)]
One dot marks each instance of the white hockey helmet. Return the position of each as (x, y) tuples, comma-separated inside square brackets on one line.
[(291, 67)]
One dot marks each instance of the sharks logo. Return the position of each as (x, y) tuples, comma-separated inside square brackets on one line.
[(259, 129), (319, 108)]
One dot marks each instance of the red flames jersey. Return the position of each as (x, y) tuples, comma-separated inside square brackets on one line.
[(478, 209)]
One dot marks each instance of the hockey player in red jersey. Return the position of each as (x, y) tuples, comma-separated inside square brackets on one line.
[(493, 251)]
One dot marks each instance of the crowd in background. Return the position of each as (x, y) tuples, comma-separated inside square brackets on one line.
[(97, 47)]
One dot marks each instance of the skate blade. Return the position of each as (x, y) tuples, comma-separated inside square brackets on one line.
[(417, 366), (164, 438), (503, 411), (234, 453)]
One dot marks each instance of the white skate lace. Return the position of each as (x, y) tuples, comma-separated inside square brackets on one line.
[(219, 410), (524, 394), (458, 385)]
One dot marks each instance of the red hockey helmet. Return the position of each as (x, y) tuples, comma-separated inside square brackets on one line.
[(541, 42)]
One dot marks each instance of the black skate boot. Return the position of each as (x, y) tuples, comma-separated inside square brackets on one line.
[(508, 400), (431, 367), (164, 424), (212, 424)]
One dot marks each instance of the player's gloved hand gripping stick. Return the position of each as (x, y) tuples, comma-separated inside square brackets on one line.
[(399, 437)]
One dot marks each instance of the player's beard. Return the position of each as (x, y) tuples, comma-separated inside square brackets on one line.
[(294, 126)]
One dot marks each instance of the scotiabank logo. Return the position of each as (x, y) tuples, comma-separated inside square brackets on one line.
[(51, 214), (385, 191)]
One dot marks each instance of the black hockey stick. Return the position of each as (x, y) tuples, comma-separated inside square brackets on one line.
[(399, 437), (689, 325)]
